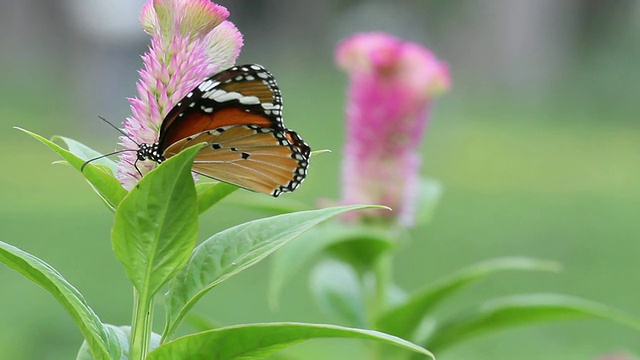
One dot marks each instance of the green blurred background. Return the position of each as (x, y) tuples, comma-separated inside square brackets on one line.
[(537, 146)]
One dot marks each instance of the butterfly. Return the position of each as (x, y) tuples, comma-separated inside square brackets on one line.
[(237, 114)]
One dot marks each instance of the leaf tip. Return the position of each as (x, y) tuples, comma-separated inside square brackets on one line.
[(381, 207), (28, 132), (321, 151), (22, 129), (60, 162)]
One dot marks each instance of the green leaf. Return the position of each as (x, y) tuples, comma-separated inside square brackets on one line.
[(210, 193), (404, 319), (200, 322), (156, 225), (363, 250), (102, 342), (257, 341), (86, 153), (517, 310), (369, 241), (123, 334), (105, 185), (231, 251), (337, 290)]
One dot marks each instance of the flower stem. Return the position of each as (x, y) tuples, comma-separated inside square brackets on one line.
[(382, 272), (141, 326), (383, 276)]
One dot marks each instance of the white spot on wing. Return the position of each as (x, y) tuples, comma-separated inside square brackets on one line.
[(213, 94), (227, 96), (206, 85), (249, 100)]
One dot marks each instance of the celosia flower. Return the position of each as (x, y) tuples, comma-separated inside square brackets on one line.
[(190, 40), (391, 87)]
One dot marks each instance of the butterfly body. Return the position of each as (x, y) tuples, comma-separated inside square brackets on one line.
[(237, 115)]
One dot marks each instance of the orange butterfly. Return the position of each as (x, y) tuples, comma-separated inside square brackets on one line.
[(237, 113)]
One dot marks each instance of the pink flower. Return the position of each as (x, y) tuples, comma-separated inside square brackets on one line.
[(190, 40), (391, 87)]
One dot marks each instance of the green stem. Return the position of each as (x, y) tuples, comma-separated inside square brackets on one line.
[(383, 276), (141, 326)]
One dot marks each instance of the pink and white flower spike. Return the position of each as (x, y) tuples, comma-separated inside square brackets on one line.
[(190, 40), (392, 84)]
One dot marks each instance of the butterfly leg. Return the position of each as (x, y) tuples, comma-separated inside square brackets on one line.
[(135, 165)]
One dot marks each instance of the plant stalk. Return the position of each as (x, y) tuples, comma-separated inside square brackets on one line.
[(383, 277), (141, 326)]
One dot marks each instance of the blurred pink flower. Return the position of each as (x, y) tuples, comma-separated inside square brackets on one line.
[(391, 87), (190, 40)]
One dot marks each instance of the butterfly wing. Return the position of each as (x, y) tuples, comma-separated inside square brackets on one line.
[(237, 113), (246, 94), (261, 159)]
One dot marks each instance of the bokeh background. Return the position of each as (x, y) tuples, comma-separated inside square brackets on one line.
[(537, 146)]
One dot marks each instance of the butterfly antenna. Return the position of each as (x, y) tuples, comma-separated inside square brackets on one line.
[(118, 130), (103, 156)]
